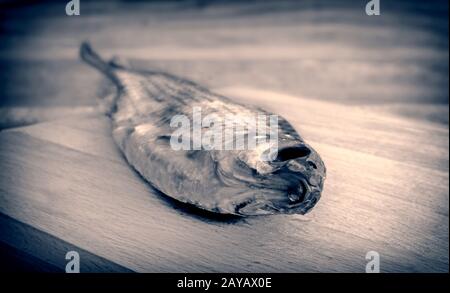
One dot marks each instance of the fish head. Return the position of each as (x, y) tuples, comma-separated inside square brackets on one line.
[(290, 182)]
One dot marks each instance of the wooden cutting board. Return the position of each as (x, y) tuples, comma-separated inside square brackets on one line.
[(65, 186)]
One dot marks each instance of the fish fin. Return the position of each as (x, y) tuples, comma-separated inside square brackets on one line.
[(119, 62), (89, 56)]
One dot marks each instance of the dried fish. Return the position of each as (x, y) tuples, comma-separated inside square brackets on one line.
[(229, 181)]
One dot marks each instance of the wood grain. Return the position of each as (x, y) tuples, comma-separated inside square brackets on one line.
[(64, 185), (387, 190)]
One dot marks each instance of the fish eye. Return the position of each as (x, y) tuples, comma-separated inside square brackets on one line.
[(297, 194), (294, 152)]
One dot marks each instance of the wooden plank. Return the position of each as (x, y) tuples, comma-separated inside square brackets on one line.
[(383, 193), (24, 248), (387, 186)]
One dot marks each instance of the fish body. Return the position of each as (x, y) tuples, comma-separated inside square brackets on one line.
[(228, 181)]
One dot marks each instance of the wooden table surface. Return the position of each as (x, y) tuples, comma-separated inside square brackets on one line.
[(369, 94), (387, 191)]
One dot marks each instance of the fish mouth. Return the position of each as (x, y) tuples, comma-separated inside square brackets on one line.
[(310, 197), (301, 199), (305, 206)]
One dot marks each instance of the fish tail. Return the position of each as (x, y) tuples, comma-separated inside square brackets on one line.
[(91, 57)]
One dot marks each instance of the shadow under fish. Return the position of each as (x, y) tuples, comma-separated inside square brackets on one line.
[(240, 182)]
